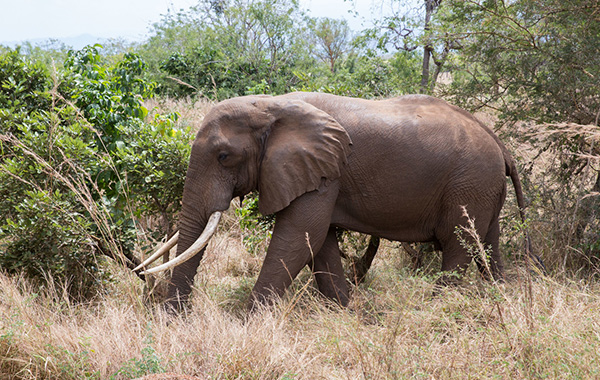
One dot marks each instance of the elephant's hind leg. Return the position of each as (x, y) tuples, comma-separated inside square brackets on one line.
[(455, 261), (328, 270), (458, 246)]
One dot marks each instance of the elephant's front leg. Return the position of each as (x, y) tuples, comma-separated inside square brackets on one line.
[(328, 270), (305, 221)]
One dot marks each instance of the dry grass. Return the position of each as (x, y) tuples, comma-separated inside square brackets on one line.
[(191, 111), (398, 326), (560, 167)]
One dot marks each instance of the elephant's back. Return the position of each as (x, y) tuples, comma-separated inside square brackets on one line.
[(413, 134), (470, 155), (412, 157), (419, 129)]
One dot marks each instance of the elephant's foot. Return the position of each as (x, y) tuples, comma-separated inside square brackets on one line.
[(334, 287), (176, 301)]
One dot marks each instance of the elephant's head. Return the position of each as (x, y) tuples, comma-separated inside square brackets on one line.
[(281, 147)]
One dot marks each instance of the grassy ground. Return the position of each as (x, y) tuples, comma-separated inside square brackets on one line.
[(397, 327)]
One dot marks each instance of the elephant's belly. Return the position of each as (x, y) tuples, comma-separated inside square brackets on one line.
[(401, 222)]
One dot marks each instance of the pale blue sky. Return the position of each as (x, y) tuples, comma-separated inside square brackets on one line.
[(43, 19)]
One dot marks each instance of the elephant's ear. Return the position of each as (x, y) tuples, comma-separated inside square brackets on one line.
[(303, 146)]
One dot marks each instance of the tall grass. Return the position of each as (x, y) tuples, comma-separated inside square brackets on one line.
[(561, 176), (398, 326)]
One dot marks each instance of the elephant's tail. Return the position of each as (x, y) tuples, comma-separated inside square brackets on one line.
[(511, 171)]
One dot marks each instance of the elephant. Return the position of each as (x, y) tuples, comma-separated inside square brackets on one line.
[(398, 168)]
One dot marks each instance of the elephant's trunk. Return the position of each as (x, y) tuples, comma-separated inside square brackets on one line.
[(192, 238), (191, 231)]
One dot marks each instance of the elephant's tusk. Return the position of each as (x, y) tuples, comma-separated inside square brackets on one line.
[(200, 243), (161, 251)]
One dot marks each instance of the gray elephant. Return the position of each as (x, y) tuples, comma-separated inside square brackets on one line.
[(399, 169)]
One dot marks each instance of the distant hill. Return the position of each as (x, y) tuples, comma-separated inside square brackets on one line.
[(77, 42)]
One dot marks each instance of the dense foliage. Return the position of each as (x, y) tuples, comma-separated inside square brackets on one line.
[(75, 152), (538, 59), (221, 49)]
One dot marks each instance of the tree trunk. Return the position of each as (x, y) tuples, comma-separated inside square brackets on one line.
[(425, 72), (430, 6)]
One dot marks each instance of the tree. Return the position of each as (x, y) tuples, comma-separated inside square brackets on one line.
[(225, 48), (332, 39), (410, 27), (428, 50)]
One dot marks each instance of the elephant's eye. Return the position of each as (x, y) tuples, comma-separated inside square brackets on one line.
[(223, 156)]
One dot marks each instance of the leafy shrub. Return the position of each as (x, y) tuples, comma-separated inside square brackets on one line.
[(154, 162), (364, 76), (23, 84), (64, 170), (256, 228), (50, 234), (109, 96), (47, 232)]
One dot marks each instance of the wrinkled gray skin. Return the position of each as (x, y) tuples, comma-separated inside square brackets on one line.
[(399, 169)]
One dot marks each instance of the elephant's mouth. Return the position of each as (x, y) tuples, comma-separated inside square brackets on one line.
[(198, 245)]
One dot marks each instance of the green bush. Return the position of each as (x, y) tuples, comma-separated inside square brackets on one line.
[(23, 84), (364, 76), (154, 162), (108, 95), (79, 166), (50, 235), (257, 228), (47, 233)]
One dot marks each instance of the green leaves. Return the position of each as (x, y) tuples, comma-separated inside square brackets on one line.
[(108, 95), (67, 191), (22, 84), (258, 228), (154, 160), (48, 234), (538, 59)]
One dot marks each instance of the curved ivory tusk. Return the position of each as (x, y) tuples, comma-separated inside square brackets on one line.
[(200, 243), (161, 251)]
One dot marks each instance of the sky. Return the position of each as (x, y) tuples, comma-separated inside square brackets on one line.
[(22, 20)]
